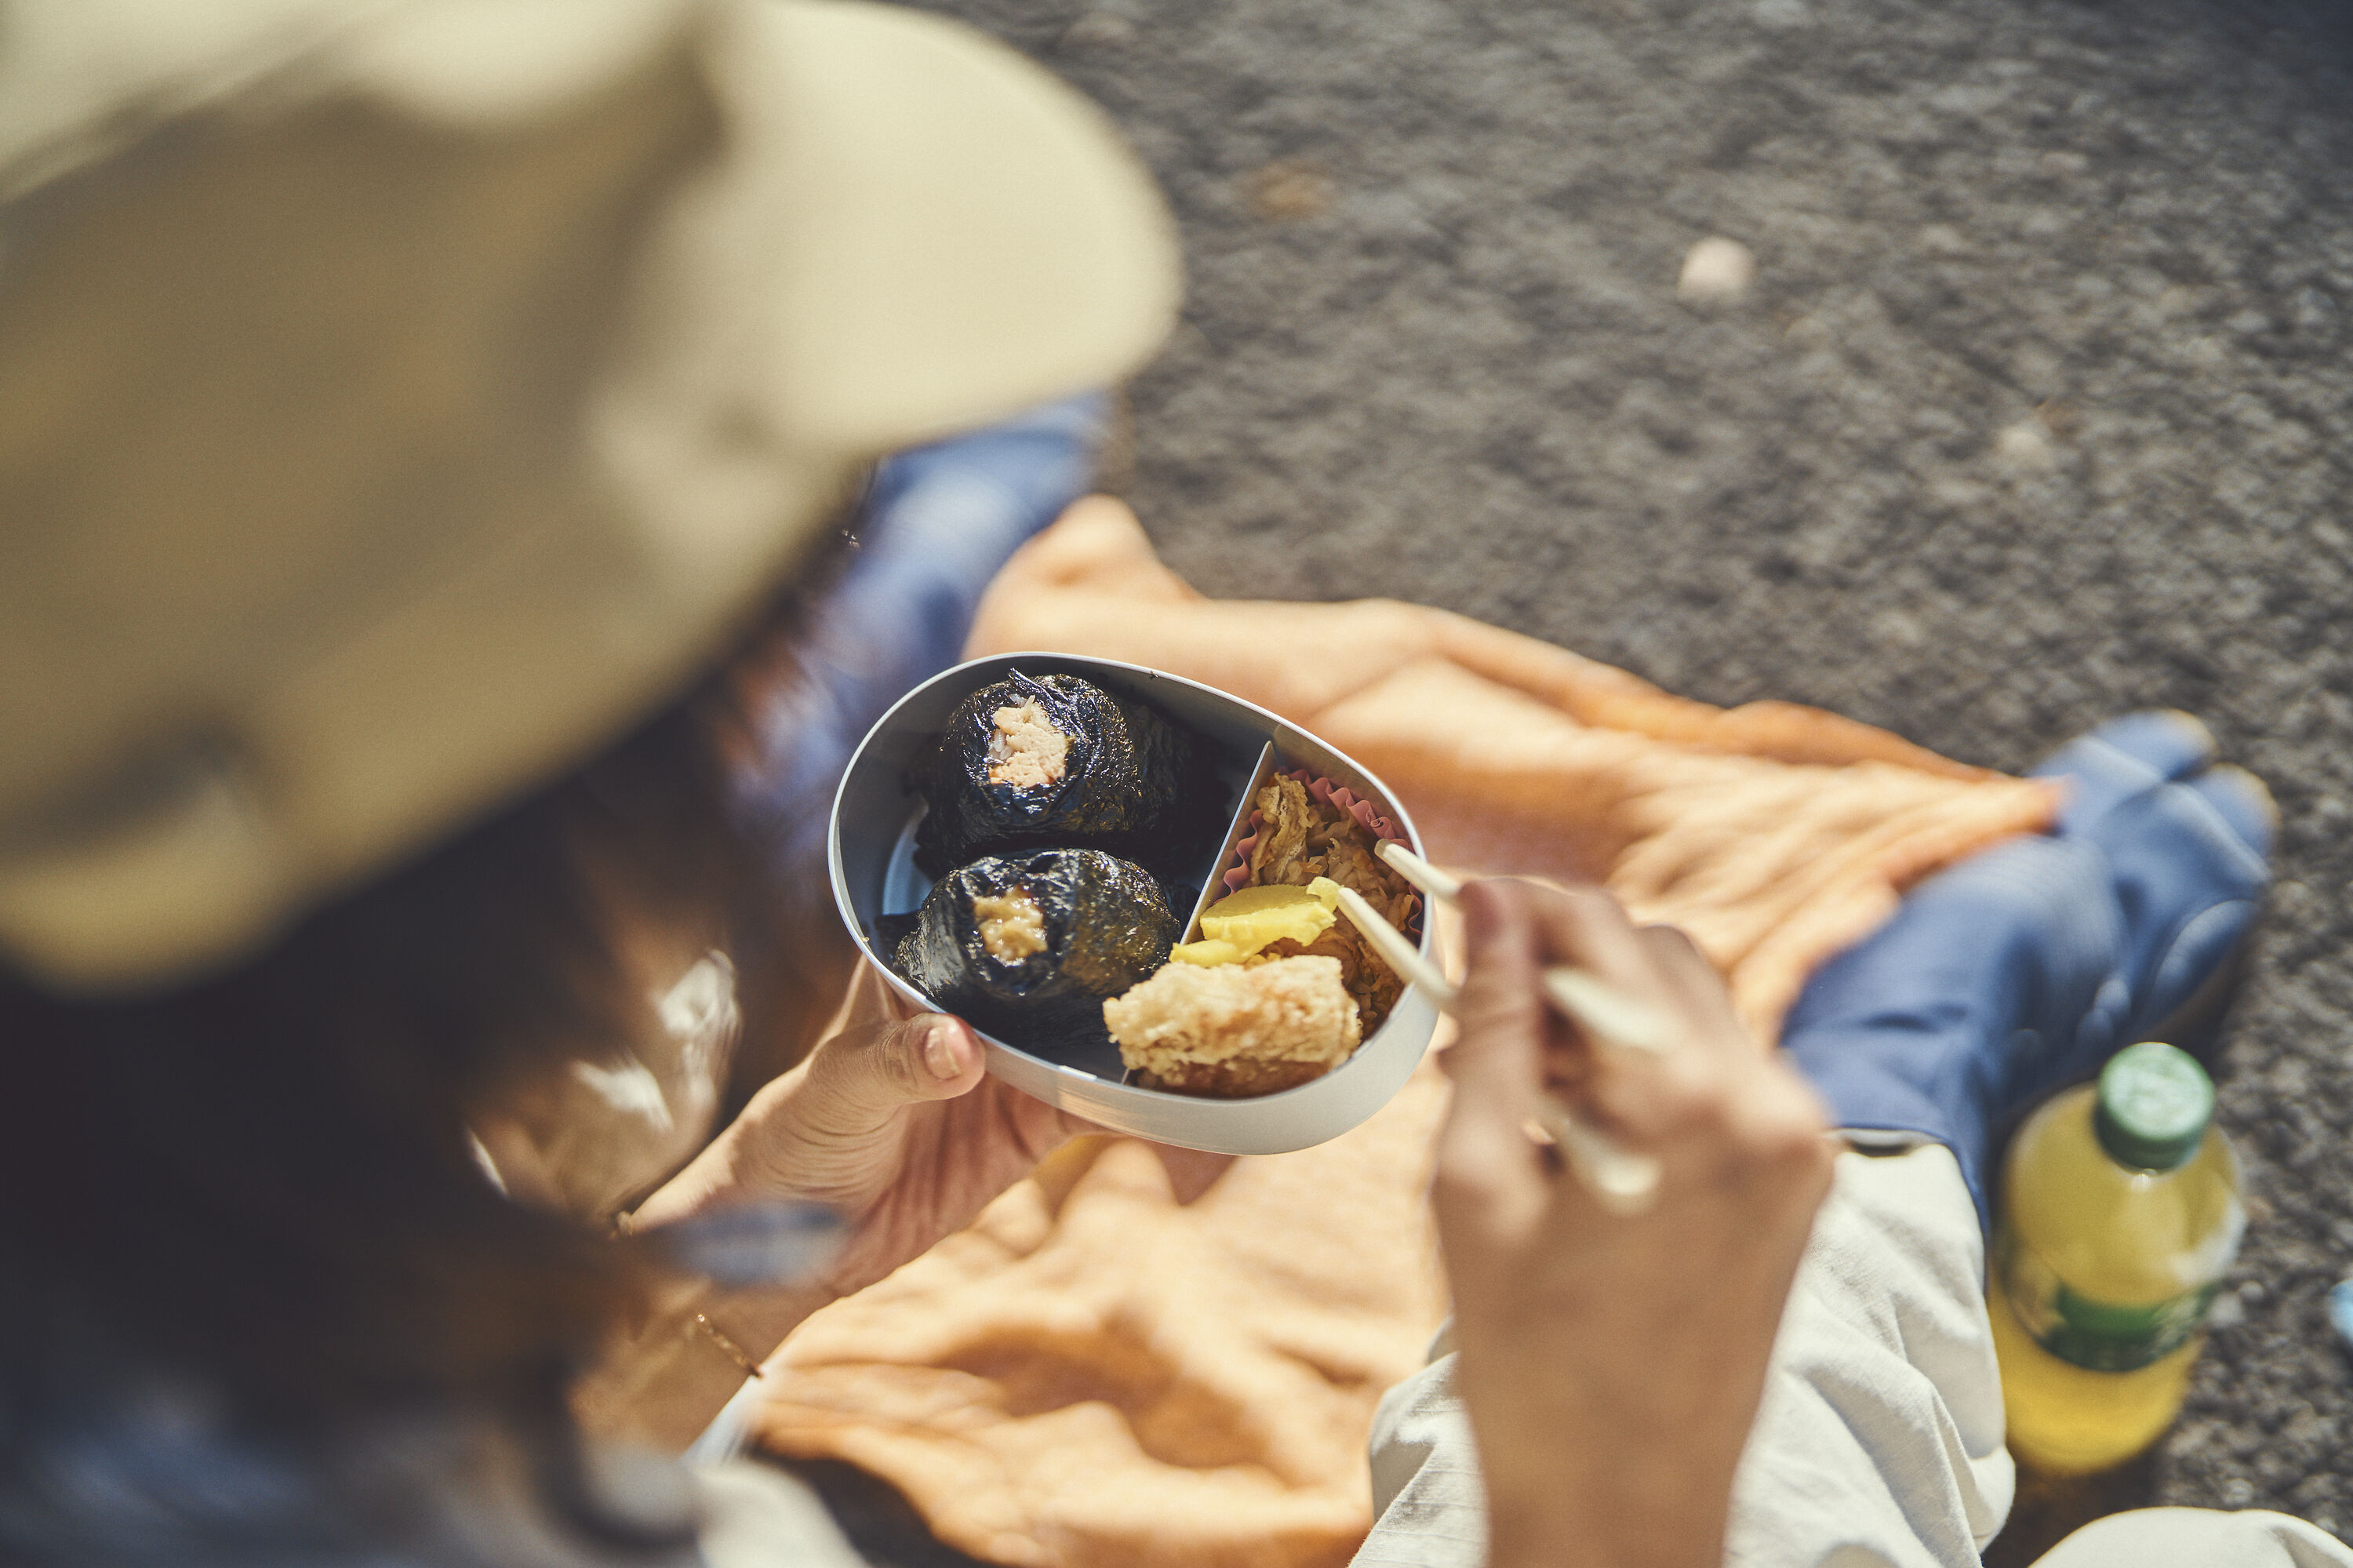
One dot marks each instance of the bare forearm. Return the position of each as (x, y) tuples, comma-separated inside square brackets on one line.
[(893, 1126), (662, 1379)]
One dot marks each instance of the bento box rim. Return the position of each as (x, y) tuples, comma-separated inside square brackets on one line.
[(1275, 722)]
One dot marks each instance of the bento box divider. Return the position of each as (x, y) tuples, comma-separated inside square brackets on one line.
[(1213, 887)]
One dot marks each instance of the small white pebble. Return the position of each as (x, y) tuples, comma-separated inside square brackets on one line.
[(2025, 448), (1099, 30), (1716, 272), (1942, 239)]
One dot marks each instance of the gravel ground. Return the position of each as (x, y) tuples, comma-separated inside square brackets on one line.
[(2040, 408)]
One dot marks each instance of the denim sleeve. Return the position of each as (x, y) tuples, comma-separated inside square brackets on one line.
[(936, 525)]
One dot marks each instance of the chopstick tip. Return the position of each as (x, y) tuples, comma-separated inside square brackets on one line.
[(1420, 872)]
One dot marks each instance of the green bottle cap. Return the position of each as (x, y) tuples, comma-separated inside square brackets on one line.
[(2155, 1102)]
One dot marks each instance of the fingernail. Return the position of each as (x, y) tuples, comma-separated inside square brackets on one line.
[(939, 1049)]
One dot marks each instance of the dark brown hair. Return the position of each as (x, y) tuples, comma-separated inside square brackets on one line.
[(269, 1172), (264, 1181)]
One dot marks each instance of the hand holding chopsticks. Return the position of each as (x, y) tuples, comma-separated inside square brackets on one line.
[(1624, 1181), (1616, 1365)]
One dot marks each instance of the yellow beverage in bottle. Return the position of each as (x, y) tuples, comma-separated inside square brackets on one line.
[(2120, 1212)]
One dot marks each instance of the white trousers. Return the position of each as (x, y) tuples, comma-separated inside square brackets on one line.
[(1879, 1443)]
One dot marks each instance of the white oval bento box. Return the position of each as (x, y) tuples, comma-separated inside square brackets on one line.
[(871, 850)]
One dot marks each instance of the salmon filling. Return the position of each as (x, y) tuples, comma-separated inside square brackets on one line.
[(1011, 925), (1025, 749)]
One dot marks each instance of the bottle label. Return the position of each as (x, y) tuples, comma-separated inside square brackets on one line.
[(2100, 1336)]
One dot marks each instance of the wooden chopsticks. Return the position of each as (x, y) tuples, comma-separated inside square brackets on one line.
[(1599, 1008), (1624, 1182)]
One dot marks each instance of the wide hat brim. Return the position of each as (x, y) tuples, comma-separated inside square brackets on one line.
[(396, 425)]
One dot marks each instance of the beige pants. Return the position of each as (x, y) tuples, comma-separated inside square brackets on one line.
[(1879, 1443)]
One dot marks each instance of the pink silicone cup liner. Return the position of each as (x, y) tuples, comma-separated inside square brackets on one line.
[(1237, 876)]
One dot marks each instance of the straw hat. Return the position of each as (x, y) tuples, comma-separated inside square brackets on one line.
[(397, 401)]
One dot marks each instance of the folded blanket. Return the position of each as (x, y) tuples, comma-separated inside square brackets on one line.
[(1144, 1358)]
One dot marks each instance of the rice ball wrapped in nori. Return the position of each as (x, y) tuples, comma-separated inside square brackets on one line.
[(1058, 760), (1027, 945)]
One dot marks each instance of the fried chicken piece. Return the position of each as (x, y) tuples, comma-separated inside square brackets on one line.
[(1230, 1031)]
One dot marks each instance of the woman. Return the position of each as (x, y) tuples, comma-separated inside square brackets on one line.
[(409, 409), (419, 427)]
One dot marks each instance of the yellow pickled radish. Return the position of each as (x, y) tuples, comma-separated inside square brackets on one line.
[(1208, 953), (1238, 926)]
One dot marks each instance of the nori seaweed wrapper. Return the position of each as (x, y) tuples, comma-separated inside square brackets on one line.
[(1131, 782), (1107, 925)]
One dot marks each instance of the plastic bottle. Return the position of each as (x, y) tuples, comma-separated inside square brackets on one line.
[(2120, 1213)]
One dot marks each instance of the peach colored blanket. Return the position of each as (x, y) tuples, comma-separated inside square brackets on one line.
[(1143, 1358)]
